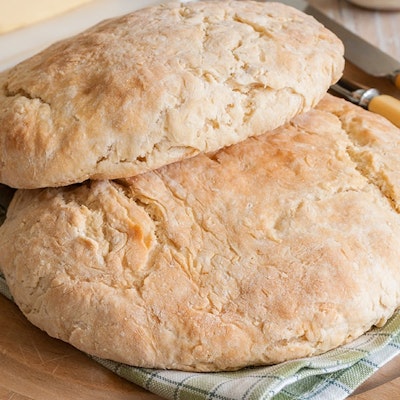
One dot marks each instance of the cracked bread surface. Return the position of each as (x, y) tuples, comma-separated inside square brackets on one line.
[(159, 85), (282, 246)]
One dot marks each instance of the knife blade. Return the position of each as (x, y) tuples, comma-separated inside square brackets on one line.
[(359, 52)]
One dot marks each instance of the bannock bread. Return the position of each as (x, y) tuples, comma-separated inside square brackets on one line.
[(159, 85), (282, 246)]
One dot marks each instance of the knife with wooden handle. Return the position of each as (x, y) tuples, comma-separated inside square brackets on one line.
[(359, 52), (370, 99)]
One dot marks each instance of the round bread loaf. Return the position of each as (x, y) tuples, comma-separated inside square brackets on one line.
[(283, 246), (159, 85)]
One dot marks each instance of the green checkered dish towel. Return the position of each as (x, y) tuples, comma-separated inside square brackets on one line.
[(333, 375)]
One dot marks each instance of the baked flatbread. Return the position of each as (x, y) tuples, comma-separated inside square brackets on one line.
[(283, 246), (158, 85)]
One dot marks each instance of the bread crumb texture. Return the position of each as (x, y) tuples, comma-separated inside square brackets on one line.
[(283, 246), (159, 85)]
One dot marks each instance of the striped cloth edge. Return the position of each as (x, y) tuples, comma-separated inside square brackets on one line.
[(333, 375)]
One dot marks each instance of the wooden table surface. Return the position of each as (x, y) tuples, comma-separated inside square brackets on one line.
[(380, 28), (35, 366)]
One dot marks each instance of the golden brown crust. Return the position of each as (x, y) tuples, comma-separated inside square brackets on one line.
[(282, 246), (159, 85)]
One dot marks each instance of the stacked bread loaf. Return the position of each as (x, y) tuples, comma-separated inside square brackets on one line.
[(190, 197)]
